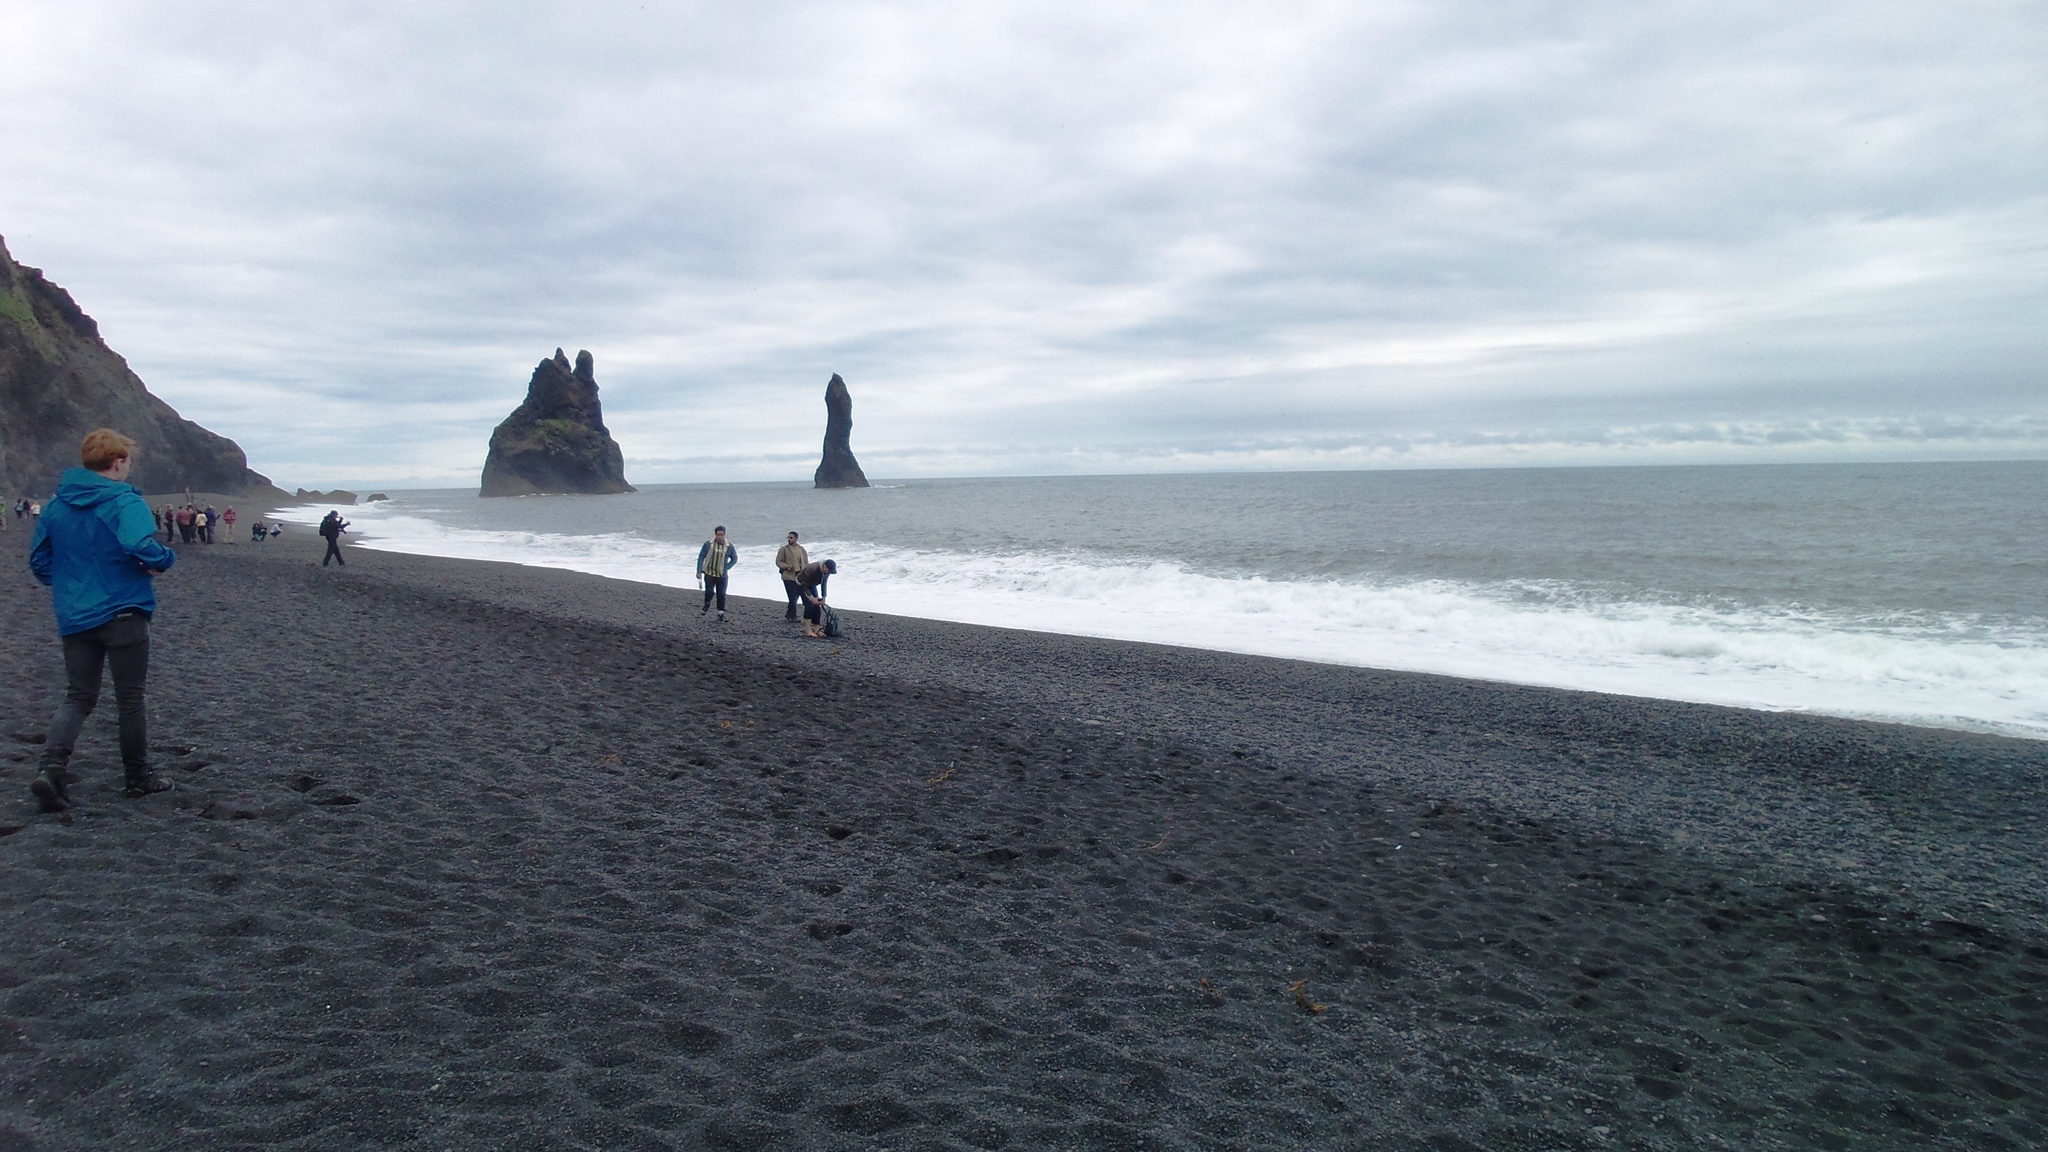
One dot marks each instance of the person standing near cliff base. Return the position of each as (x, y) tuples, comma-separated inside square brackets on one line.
[(714, 560), (791, 559), (96, 549)]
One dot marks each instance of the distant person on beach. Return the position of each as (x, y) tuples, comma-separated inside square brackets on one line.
[(714, 560), (331, 529), (256, 533), (228, 518), (185, 516), (791, 559), (811, 586), (276, 530), (97, 551), (206, 522)]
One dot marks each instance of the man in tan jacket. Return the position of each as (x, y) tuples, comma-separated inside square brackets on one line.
[(791, 559)]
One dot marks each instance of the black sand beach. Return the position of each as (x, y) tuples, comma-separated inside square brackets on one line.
[(473, 856)]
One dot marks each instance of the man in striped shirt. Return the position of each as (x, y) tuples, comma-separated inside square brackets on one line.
[(714, 560)]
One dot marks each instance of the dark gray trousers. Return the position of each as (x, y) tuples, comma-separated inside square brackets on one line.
[(121, 645)]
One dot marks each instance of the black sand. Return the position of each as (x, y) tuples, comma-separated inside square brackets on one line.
[(473, 856)]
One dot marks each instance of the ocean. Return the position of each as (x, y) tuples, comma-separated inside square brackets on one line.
[(1907, 592)]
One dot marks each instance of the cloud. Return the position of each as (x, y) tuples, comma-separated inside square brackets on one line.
[(1049, 236)]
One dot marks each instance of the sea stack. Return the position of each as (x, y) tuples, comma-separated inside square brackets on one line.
[(59, 380), (839, 469), (556, 441)]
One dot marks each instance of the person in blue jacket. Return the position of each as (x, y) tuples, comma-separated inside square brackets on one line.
[(96, 548)]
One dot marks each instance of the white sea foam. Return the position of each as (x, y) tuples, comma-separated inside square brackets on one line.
[(1945, 672)]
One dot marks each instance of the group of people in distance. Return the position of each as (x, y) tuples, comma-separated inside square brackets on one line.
[(193, 524), (802, 581), (23, 507)]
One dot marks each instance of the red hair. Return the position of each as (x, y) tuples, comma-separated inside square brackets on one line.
[(102, 447)]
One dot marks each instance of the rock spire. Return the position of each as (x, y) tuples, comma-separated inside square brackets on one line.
[(839, 469), (556, 441)]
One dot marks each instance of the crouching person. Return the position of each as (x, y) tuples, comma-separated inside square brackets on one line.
[(96, 549), (811, 586)]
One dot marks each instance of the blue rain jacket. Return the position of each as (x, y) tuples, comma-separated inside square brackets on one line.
[(95, 546)]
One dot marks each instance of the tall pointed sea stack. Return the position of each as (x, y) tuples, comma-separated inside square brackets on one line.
[(839, 469), (59, 380), (556, 440)]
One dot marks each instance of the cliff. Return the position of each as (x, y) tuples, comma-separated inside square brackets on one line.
[(556, 441), (838, 469), (59, 380)]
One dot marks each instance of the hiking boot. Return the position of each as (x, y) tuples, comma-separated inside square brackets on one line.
[(48, 786), (721, 615), (145, 783), (52, 779)]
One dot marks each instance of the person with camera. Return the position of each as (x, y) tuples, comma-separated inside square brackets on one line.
[(331, 528)]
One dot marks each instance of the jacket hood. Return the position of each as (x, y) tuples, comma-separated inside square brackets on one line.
[(81, 487)]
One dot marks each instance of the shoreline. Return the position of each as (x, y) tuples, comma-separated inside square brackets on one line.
[(1754, 818), (1913, 699), (610, 875)]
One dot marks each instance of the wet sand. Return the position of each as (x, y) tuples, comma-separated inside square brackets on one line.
[(473, 856)]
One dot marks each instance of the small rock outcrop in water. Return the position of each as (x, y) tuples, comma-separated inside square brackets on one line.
[(839, 469), (59, 380), (338, 496), (556, 440)]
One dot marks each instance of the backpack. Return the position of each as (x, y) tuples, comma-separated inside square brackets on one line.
[(833, 627)]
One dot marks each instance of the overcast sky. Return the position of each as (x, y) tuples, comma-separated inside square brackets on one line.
[(1053, 237)]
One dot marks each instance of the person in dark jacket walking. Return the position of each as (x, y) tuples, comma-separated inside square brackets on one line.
[(331, 529), (96, 549), (714, 563)]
